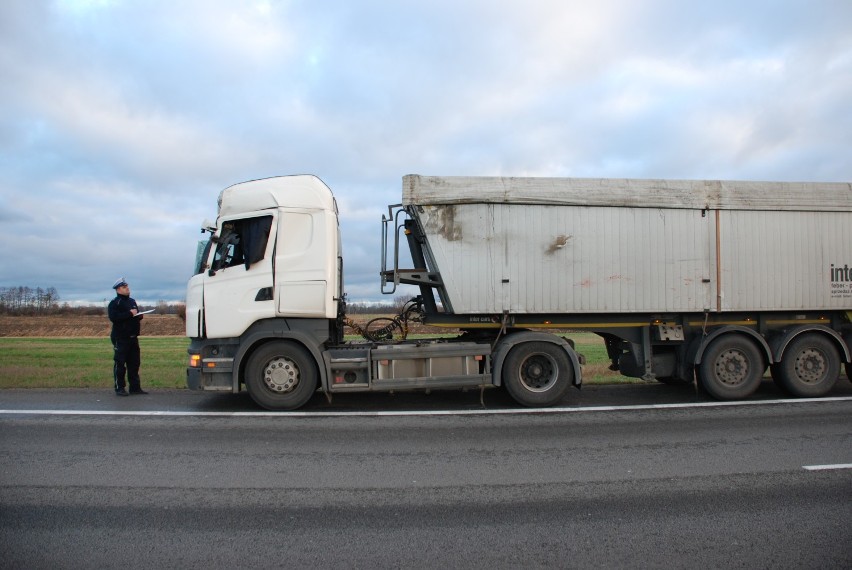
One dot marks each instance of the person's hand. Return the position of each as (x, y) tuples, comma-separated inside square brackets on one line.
[(133, 312)]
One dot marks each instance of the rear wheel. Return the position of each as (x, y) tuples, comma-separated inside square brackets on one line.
[(810, 366), (731, 367), (281, 376), (537, 374)]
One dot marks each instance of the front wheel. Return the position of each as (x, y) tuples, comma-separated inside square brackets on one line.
[(537, 374), (281, 376), (810, 366), (731, 367)]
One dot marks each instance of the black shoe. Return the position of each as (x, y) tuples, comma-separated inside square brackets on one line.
[(139, 391), (121, 393)]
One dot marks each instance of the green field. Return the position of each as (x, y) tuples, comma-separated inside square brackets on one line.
[(73, 362)]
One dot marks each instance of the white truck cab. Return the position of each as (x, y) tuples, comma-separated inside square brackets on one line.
[(274, 253)]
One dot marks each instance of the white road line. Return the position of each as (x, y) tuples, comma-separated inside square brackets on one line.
[(827, 467), (518, 411)]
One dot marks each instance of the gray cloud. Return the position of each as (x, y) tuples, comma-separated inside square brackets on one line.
[(121, 121)]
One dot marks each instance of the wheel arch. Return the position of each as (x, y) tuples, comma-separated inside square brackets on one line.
[(782, 341), (508, 342), (733, 329), (253, 340)]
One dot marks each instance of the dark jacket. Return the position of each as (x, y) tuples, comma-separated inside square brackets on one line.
[(124, 324)]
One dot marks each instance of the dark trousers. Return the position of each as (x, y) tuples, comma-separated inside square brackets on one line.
[(127, 360)]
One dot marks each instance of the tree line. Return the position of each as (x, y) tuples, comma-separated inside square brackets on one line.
[(40, 301), (367, 308), (26, 300)]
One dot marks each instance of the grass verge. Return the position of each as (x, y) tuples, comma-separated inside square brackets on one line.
[(75, 362), (83, 362)]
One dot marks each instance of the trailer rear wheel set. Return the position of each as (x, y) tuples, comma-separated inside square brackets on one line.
[(733, 365)]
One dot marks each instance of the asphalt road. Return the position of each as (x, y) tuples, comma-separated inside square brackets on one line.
[(178, 479)]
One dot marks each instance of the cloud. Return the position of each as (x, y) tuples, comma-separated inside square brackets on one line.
[(121, 121)]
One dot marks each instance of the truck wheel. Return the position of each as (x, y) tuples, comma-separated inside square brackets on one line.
[(849, 371), (281, 376), (731, 368), (537, 374), (810, 366)]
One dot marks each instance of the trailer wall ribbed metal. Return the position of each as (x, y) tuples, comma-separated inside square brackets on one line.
[(567, 245)]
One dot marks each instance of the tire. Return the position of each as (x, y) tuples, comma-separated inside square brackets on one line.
[(731, 367), (537, 374), (849, 371), (810, 366), (281, 376)]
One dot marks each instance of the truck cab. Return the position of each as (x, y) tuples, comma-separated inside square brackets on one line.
[(276, 255), (273, 254)]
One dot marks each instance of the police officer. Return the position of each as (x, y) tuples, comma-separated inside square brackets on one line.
[(125, 318)]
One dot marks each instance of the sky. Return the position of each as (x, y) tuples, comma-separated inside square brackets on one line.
[(122, 120)]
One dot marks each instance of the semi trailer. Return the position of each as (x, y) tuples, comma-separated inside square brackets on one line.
[(684, 280)]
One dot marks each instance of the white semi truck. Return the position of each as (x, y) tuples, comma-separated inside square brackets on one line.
[(710, 280)]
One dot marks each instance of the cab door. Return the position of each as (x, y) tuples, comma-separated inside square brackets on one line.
[(239, 284)]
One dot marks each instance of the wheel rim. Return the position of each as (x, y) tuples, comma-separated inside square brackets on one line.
[(539, 372), (281, 375), (732, 367), (810, 366)]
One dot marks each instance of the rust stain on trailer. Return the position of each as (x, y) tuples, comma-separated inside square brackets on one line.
[(560, 242)]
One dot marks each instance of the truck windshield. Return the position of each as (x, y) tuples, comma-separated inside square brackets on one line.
[(202, 252)]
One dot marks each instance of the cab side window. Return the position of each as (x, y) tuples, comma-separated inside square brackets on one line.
[(242, 242)]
